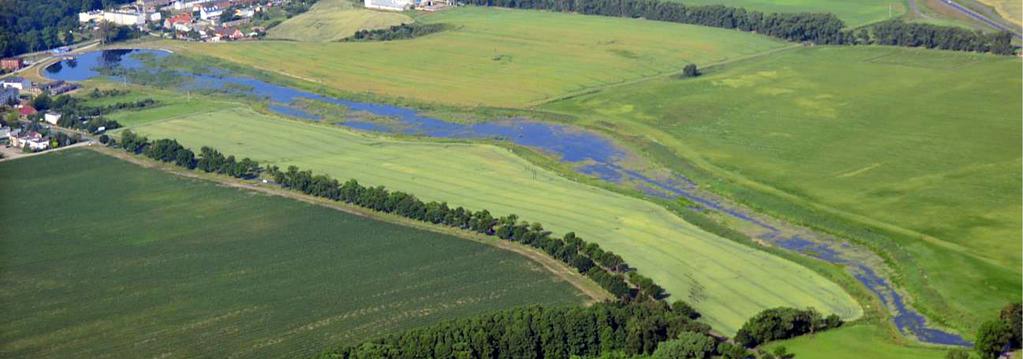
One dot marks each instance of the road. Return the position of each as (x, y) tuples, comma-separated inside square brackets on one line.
[(980, 17)]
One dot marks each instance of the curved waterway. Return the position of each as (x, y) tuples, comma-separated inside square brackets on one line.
[(591, 153)]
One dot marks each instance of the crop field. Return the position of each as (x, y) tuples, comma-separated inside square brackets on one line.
[(854, 13), (854, 342), (726, 281), (495, 57), (922, 145), (331, 20), (135, 262)]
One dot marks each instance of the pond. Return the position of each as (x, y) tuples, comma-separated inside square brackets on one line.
[(591, 153)]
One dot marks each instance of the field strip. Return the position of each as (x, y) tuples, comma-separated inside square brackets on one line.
[(552, 265), (681, 257)]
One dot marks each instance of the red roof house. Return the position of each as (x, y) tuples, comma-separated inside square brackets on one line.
[(27, 110)]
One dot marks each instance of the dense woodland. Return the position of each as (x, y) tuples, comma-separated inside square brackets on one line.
[(36, 25), (818, 28)]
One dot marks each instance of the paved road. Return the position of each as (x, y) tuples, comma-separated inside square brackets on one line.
[(980, 17)]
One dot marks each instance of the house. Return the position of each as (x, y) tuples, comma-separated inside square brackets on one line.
[(152, 5), (391, 5), (58, 87), (180, 22), (11, 64), (19, 83), (8, 96), (51, 117), (227, 33), (4, 132), (34, 140), (209, 12), (27, 110)]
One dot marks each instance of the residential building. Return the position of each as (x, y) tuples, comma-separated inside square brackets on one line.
[(227, 33), (8, 96), (390, 5), (209, 12), (26, 110), (180, 22), (19, 83), (90, 16), (11, 64), (125, 17), (152, 5), (34, 140), (51, 117)]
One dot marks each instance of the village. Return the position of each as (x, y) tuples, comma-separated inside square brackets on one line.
[(29, 120), (198, 20)]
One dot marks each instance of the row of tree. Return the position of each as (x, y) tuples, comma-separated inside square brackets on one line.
[(397, 32), (633, 328), (606, 268), (167, 150), (818, 28)]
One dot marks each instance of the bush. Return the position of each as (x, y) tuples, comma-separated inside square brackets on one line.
[(688, 345), (783, 323)]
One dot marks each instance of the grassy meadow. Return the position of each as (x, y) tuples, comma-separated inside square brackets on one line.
[(495, 57), (103, 258), (332, 20), (857, 341), (915, 152), (726, 281)]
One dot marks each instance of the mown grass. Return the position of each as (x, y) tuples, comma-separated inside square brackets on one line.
[(104, 258), (854, 13), (914, 152), (728, 282), (854, 342), (495, 57), (331, 20)]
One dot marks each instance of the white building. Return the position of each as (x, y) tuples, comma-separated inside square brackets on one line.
[(209, 12), (16, 82), (94, 15), (51, 117), (126, 18), (391, 5)]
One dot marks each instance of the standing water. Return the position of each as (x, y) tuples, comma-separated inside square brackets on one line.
[(592, 153)]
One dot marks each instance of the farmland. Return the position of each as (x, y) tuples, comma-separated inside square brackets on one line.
[(495, 57), (331, 20), (132, 262), (682, 258), (919, 146)]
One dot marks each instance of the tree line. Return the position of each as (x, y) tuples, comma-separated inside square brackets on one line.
[(638, 322), (396, 32), (634, 328), (818, 28)]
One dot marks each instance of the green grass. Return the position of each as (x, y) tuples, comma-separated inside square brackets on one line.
[(726, 281), (855, 342), (170, 104), (854, 13), (331, 20), (105, 258), (495, 57), (915, 152)]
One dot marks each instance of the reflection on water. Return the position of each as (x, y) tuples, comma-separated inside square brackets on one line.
[(594, 155)]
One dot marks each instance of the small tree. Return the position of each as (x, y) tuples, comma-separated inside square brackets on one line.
[(104, 139), (690, 71), (688, 345), (993, 338), (957, 354)]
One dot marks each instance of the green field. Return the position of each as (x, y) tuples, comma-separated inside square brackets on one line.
[(726, 281), (855, 342), (915, 152), (102, 258), (854, 13), (331, 20), (495, 57)]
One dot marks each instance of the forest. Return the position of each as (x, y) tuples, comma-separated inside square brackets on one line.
[(36, 25)]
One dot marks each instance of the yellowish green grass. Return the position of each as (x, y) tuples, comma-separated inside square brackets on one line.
[(496, 57), (1011, 10), (914, 152), (331, 20), (726, 281), (855, 342)]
